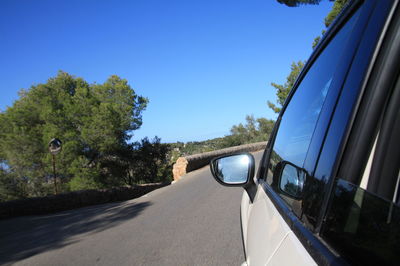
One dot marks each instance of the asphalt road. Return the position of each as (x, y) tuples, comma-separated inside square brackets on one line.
[(192, 222)]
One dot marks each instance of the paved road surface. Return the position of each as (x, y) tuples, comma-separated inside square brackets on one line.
[(192, 222)]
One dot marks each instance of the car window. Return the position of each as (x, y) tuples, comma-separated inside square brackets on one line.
[(301, 115), (363, 221), (362, 227)]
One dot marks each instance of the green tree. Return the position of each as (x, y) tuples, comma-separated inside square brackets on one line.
[(265, 127), (338, 6), (94, 121), (254, 130), (295, 3), (336, 9), (282, 91), (11, 187), (150, 162)]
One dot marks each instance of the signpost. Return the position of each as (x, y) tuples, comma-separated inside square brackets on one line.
[(55, 146)]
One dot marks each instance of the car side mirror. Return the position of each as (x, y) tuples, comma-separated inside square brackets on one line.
[(291, 181), (233, 170)]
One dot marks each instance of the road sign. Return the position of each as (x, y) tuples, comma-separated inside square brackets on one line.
[(55, 146)]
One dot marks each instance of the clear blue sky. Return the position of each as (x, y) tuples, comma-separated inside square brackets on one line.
[(203, 64)]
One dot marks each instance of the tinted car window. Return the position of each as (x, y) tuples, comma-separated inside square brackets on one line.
[(363, 218), (318, 185), (301, 114), (363, 227)]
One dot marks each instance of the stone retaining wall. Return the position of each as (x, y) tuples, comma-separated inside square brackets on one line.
[(189, 163), (72, 200)]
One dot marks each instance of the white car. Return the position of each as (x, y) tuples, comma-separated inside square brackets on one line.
[(327, 189)]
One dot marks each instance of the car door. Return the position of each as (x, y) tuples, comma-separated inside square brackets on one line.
[(277, 224)]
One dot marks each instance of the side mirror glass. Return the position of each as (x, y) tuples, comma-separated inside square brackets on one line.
[(292, 180), (233, 170)]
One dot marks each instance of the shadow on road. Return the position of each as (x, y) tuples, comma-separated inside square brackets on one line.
[(24, 237)]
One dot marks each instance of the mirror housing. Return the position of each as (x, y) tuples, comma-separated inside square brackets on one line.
[(235, 170)]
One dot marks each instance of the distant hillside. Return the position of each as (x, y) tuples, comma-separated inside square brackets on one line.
[(254, 130), (194, 147)]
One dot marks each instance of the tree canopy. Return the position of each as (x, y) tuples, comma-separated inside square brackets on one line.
[(254, 130), (94, 121), (336, 9), (295, 3), (282, 91)]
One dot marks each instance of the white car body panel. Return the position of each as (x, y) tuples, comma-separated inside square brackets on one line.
[(245, 208), (291, 252), (268, 239)]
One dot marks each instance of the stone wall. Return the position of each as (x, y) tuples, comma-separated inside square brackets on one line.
[(72, 200), (189, 163)]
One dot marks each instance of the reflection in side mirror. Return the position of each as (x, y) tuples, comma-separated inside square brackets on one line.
[(233, 170), (292, 180)]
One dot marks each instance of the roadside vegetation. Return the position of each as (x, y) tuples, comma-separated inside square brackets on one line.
[(95, 123), (253, 130)]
